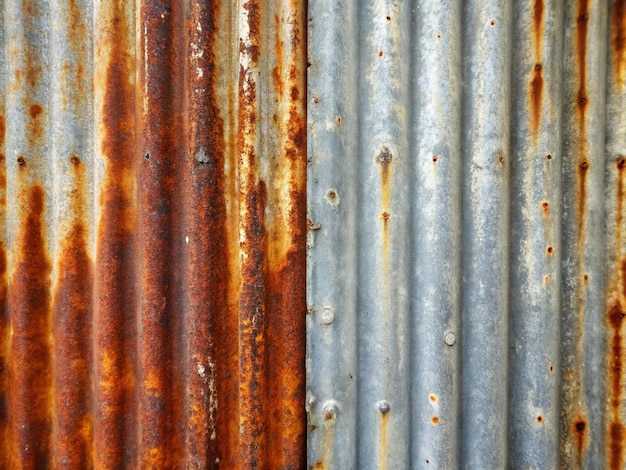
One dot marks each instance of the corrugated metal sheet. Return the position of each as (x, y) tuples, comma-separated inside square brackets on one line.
[(152, 186), (466, 247)]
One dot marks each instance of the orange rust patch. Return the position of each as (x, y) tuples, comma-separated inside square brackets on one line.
[(618, 30), (433, 398), (31, 352), (4, 361), (434, 420), (536, 95), (35, 110), (115, 435), (579, 429)]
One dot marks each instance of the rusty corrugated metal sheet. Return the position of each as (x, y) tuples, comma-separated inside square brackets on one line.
[(467, 258), (152, 267)]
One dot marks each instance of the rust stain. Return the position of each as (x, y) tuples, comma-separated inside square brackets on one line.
[(616, 315), (72, 310), (211, 400), (582, 24), (161, 398), (115, 422), (4, 315), (618, 31), (4, 361), (536, 83), (536, 95), (384, 422), (579, 431), (30, 349)]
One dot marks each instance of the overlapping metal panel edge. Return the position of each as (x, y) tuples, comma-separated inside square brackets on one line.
[(466, 249), (153, 264)]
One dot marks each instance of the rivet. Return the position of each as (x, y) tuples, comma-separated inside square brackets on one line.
[(327, 316), (330, 410), (450, 339), (384, 406)]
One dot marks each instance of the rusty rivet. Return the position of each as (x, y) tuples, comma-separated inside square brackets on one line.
[(389, 18), (538, 67), (21, 161), (582, 100), (386, 215), (545, 205), (327, 316), (147, 156), (550, 250), (435, 158), (501, 159), (316, 100), (492, 23), (450, 339), (332, 196), (548, 157), (621, 163), (380, 53), (384, 406), (75, 160), (580, 426), (330, 410), (584, 165)]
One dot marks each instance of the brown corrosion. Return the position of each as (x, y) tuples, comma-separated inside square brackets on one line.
[(384, 424), (211, 404), (161, 235), (4, 316), (579, 431), (536, 83), (536, 95), (115, 316), (618, 32), (29, 308), (582, 25), (72, 311), (616, 316)]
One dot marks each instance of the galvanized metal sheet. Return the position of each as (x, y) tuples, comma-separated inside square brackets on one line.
[(152, 297), (466, 258)]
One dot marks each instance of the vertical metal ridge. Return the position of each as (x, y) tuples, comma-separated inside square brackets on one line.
[(615, 245), (71, 164), (115, 193), (160, 232), (582, 427), (4, 313), (536, 248), (486, 121), (383, 236), (436, 234), (30, 214), (286, 232), (332, 277)]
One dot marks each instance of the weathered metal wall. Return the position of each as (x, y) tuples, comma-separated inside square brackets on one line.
[(467, 238), (152, 269)]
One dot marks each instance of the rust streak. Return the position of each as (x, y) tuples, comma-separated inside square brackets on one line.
[(618, 31), (536, 95), (615, 317), (4, 315), (579, 429), (161, 233), (115, 316), (384, 422), (30, 365), (582, 24), (72, 310)]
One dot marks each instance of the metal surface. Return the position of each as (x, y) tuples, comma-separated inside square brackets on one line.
[(466, 257), (152, 269)]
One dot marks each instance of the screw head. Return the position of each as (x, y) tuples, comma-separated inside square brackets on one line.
[(384, 406), (450, 339), (327, 316)]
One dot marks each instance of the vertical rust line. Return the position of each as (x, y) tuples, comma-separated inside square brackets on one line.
[(252, 245), (115, 281), (286, 304), (73, 309), (73, 289), (4, 318), (210, 404), (29, 306), (162, 64), (28, 296)]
